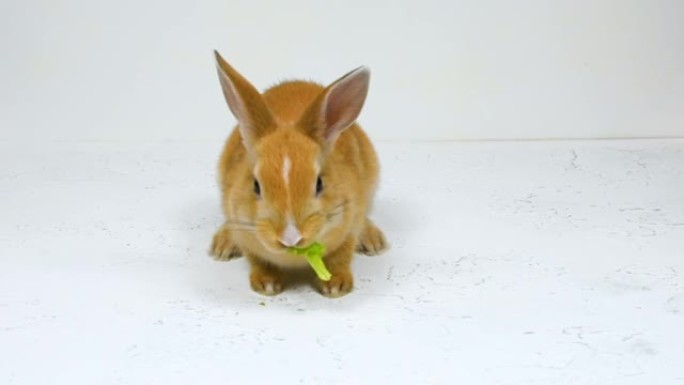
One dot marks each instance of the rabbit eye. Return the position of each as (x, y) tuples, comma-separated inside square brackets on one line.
[(257, 188), (319, 186)]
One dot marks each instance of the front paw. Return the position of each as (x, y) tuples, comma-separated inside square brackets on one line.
[(371, 240), (222, 247), (341, 283), (266, 282)]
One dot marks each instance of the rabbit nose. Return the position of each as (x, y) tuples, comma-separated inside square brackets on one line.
[(291, 236)]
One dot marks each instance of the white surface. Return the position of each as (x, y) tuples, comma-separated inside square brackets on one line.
[(512, 263), (143, 70)]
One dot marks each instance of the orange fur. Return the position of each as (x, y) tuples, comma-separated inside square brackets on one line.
[(312, 127)]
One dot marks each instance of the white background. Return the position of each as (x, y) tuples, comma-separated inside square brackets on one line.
[(442, 70), (517, 263)]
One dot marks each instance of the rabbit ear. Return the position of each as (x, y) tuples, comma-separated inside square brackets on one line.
[(337, 107), (254, 117)]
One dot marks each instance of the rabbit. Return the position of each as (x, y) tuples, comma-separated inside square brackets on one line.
[(296, 170)]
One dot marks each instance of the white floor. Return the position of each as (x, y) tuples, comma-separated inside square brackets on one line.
[(512, 263)]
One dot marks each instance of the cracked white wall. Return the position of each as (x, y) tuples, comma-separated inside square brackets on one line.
[(442, 70)]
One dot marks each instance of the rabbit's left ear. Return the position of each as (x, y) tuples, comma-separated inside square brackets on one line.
[(337, 107), (250, 109)]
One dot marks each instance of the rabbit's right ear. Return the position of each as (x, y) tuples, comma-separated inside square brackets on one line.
[(336, 108), (254, 117)]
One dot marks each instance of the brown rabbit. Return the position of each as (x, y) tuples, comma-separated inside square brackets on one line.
[(297, 170)]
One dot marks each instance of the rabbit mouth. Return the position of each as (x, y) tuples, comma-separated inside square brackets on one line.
[(277, 236)]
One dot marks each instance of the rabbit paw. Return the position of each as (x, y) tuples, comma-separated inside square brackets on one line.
[(222, 247), (266, 282), (372, 240), (339, 284)]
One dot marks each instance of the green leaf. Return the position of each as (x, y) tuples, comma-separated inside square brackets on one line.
[(314, 255)]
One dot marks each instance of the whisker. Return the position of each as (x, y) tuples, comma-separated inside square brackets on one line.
[(333, 215), (237, 230), (341, 205), (239, 227), (337, 209), (240, 223)]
